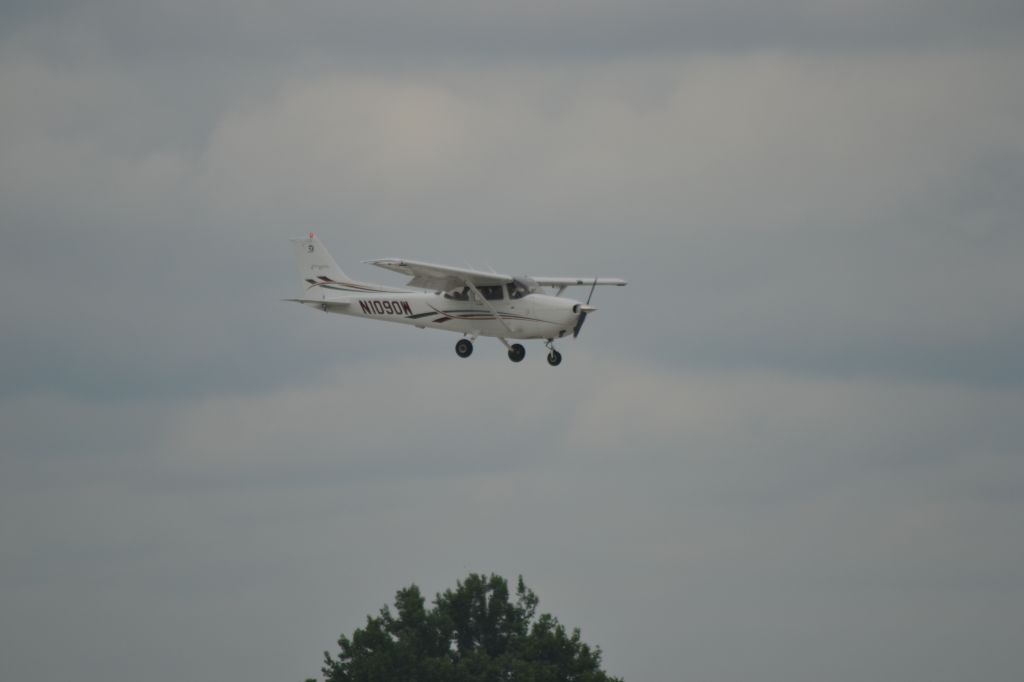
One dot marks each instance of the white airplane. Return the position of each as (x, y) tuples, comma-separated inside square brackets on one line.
[(469, 302)]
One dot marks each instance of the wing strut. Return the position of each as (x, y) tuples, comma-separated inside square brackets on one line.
[(490, 307)]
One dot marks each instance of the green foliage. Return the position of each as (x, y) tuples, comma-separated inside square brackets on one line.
[(475, 633)]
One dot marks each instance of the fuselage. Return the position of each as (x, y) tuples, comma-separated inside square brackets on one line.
[(527, 316)]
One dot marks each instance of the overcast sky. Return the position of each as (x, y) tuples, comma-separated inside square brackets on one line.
[(792, 449)]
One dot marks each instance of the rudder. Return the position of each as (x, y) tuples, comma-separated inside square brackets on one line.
[(316, 263)]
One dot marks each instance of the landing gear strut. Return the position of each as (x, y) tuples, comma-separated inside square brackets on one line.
[(464, 348), (554, 357), (516, 352)]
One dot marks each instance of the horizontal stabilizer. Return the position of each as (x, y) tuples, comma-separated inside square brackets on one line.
[(324, 305)]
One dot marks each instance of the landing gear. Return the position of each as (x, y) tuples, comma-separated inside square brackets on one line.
[(554, 357), (464, 348), (516, 352)]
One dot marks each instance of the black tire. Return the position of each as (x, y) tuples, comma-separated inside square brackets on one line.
[(516, 353), (464, 348), (554, 358)]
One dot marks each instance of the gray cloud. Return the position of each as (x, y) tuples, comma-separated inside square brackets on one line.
[(844, 215), (713, 512), (404, 32), (790, 446)]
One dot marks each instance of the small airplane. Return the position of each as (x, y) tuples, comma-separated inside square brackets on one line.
[(470, 302)]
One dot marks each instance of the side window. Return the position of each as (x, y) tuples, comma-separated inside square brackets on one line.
[(492, 293), (514, 290)]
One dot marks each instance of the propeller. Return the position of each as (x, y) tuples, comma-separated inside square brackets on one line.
[(584, 309)]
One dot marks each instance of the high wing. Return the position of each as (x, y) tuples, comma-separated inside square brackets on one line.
[(446, 278), (439, 277), (563, 282)]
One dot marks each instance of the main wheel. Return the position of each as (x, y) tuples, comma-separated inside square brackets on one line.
[(516, 353), (464, 348), (554, 358)]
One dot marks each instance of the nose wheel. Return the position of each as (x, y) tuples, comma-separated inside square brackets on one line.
[(554, 357), (464, 348)]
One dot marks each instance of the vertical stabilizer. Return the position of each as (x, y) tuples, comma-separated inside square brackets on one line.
[(316, 263)]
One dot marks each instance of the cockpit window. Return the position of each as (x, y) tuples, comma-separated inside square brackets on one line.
[(491, 293), (516, 290), (458, 295)]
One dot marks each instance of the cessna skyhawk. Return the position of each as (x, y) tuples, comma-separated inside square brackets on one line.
[(470, 302)]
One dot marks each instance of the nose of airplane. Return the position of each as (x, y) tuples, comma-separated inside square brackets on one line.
[(582, 310)]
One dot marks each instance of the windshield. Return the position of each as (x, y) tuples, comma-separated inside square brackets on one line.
[(521, 286), (458, 295), (515, 291)]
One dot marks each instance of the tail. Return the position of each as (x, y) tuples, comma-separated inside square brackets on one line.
[(316, 264)]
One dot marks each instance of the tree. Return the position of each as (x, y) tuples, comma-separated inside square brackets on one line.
[(474, 633)]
